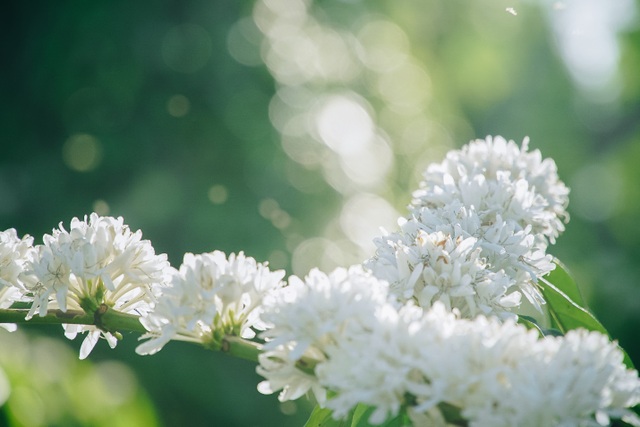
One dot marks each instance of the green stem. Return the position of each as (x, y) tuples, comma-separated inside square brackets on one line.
[(114, 321), (104, 318), (53, 317), (240, 348)]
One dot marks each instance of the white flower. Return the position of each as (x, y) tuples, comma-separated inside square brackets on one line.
[(98, 261), (14, 253), (419, 359), (210, 294), (504, 245), (429, 267), (502, 205), (283, 374), (317, 310), (375, 367), (305, 317), (497, 177), (575, 380), (496, 373)]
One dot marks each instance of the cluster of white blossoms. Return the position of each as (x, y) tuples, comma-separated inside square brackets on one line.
[(208, 297), (13, 255), (306, 317), (478, 230), (427, 327), (343, 333), (99, 261), (494, 373)]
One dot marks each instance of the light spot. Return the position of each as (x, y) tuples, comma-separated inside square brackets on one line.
[(4, 388), (178, 106), (385, 45), (362, 216), (280, 219), (243, 42), (82, 152), (512, 11), (278, 259), (344, 124), (288, 408), (118, 381), (267, 207), (101, 207), (316, 252), (595, 192), (218, 194)]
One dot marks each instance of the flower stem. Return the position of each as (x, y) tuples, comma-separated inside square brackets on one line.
[(104, 318), (241, 348), (114, 321)]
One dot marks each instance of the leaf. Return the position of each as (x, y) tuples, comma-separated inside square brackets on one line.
[(566, 305), (563, 279), (362, 413), (565, 313), (321, 417), (530, 323)]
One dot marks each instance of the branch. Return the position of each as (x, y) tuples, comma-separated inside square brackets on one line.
[(240, 348), (104, 318), (113, 321)]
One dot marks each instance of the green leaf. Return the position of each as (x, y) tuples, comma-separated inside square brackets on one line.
[(562, 278), (530, 323), (362, 413), (565, 313), (566, 305), (321, 417)]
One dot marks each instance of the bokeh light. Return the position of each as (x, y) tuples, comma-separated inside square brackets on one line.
[(178, 106), (294, 130), (587, 35), (82, 152)]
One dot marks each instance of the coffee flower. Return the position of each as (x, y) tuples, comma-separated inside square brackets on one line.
[(99, 261), (208, 297), (498, 206), (428, 267), (13, 255), (493, 373), (496, 177), (306, 317)]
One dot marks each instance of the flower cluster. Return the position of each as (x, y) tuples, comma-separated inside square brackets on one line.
[(210, 296), (13, 255), (306, 317), (426, 327), (478, 230), (343, 332), (494, 373), (99, 261)]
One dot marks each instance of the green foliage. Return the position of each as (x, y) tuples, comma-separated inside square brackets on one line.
[(566, 306), (322, 417), (48, 386), (564, 303)]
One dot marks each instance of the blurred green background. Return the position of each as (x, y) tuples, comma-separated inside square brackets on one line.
[(293, 130)]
